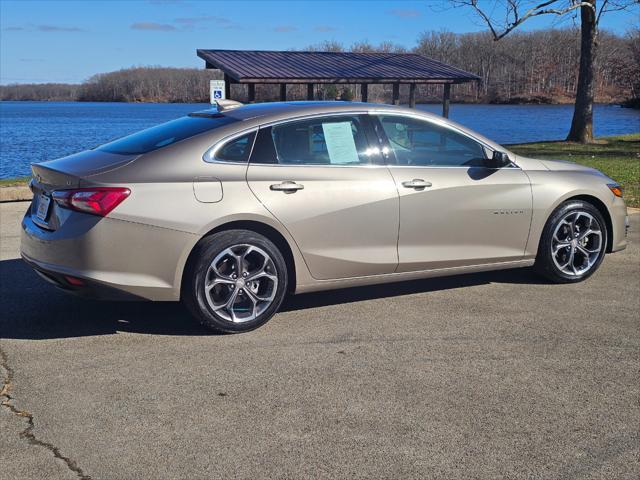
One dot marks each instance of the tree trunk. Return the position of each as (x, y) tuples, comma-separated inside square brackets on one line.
[(582, 122)]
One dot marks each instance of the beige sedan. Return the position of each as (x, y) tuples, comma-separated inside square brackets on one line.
[(232, 208)]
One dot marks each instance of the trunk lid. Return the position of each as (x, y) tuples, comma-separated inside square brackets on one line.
[(67, 172), (74, 171)]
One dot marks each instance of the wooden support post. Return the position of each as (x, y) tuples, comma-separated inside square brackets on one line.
[(309, 91), (412, 95), (396, 94), (364, 92), (251, 92), (445, 100), (227, 87), (283, 92)]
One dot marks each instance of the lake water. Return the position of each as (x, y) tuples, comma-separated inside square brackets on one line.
[(38, 131)]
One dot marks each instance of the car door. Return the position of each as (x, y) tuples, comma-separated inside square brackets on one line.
[(454, 211), (320, 178)]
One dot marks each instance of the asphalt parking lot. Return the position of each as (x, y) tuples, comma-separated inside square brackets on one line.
[(497, 375)]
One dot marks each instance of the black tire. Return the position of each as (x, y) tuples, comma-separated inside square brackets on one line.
[(198, 272), (545, 264)]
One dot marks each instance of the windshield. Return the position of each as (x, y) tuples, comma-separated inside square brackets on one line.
[(165, 134)]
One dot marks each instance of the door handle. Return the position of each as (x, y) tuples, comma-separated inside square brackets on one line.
[(416, 183), (286, 187)]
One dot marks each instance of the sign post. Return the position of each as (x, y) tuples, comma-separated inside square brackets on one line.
[(216, 90)]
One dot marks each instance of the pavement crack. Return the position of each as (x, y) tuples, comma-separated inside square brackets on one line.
[(9, 403)]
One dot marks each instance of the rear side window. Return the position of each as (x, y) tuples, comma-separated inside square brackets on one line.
[(236, 150), (165, 134), (339, 140)]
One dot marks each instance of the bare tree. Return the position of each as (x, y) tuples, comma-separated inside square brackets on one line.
[(630, 69), (504, 16)]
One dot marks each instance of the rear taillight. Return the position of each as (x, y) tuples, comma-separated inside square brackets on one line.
[(75, 281), (96, 201)]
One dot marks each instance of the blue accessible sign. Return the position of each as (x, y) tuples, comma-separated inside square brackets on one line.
[(216, 90)]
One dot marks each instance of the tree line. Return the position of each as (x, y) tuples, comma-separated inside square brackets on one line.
[(538, 66), (54, 92), (526, 67)]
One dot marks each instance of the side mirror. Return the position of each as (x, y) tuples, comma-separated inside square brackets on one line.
[(498, 160)]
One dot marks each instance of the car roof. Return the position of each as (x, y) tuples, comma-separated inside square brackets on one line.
[(265, 111)]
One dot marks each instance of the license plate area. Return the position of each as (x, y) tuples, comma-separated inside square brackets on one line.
[(42, 207)]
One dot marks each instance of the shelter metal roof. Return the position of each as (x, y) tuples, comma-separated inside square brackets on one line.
[(260, 66)]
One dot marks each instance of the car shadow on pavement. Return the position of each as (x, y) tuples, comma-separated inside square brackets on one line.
[(33, 309), (358, 294)]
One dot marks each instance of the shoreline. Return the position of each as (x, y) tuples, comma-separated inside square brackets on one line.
[(620, 104)]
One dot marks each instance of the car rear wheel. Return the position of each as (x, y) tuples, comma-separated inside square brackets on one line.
[(573, 243), (236, 281)]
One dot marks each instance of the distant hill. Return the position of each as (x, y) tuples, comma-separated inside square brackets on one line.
[(139, 84), (53, 92), (149, 84)]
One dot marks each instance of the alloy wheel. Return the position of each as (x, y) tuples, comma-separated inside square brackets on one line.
[(576, 243), (241, 283)]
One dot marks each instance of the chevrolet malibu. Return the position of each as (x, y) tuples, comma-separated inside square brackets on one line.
[(231, 209)]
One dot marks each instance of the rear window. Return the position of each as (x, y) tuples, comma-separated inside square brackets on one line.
[(165, 134)]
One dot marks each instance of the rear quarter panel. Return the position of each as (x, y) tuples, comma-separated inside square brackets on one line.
[(162, 195)]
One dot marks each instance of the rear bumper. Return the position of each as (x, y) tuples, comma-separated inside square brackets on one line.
[(115, 259), (86, 288)]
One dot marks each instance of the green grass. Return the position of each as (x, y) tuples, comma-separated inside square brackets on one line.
[(616, 157), (13, 182)]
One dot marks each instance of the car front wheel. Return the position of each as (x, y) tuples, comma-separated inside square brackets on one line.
[(573, 243), (236, 281)]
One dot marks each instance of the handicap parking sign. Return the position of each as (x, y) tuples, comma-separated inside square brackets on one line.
[(216, 90)]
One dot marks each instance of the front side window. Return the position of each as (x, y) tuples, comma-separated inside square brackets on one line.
[(339, 140), (416, 142)]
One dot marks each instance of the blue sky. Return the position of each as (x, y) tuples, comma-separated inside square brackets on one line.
[(68, 41)]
